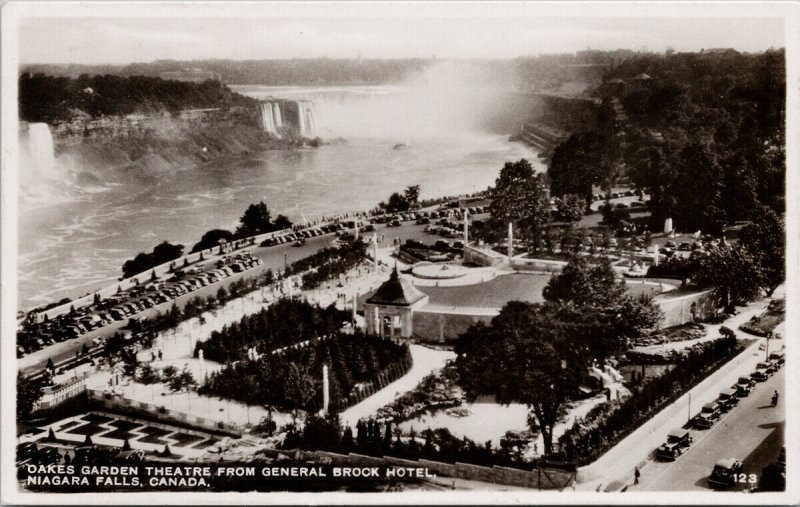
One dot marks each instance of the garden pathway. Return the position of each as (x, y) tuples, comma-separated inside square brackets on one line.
[(426, 360)]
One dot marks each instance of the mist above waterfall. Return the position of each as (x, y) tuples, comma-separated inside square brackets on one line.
[(447, 99), (451, 98)]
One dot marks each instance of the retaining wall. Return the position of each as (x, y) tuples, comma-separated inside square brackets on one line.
[(678, 310), (546, 479), (442, 327), (155, 412)]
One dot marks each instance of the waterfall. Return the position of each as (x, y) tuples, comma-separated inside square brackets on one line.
[(305, 118), (311, 128), (276, 108), (41, 149), (301, 118), (268, 119)]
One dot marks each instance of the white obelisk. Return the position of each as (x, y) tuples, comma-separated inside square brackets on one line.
[(466, 227), (375, 252), (325, 387), (510, 242)]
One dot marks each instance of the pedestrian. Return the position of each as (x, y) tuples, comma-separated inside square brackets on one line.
[(636, 475)]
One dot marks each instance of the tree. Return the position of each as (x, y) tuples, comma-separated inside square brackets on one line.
[(584, 283), (765, 240), (532, 360), (148, 375), (211, 239), (300, 387), (180, 381), (281, 222), (570, 207), (29, 392), (538, 354), (161, 254), (411, 195), (697, 189), (595, 289), (732, 273), (520, 197), (650, 172), (582, 161), (396, 204), (255, 220)]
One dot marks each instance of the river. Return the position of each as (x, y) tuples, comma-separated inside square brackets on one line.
[(73, 248)]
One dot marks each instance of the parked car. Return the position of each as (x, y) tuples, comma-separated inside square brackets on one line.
[(394, 223), (727, 399), (707, 416), (678, 440), (767, 366), (777, 358), (724, 473), (744, 385), (760, 375)]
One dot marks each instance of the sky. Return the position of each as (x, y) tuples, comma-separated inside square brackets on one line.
[(122, 34)]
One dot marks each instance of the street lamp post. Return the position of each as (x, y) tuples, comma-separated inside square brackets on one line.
[(690, 407), (766, 355)]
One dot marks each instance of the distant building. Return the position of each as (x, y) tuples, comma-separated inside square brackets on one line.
[(197, 114), (190, 75)]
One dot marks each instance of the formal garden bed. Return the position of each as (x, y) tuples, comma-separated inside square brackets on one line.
[(437, 391), (690, 331), (764, 324)]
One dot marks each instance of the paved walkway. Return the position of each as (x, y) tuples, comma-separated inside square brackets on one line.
[(426, 360)]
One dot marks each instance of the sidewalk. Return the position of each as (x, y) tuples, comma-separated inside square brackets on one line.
[(615, 467), (426, 360)]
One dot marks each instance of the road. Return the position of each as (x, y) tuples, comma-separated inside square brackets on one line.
[(752, 432), (275, 258)]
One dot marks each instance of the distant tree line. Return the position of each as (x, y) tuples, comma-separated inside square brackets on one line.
[(263, 72), (45, 98)]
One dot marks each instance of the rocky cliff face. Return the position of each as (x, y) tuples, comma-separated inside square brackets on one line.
[(142, 155)]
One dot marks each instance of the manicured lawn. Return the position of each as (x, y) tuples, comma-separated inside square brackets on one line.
[(492, 294), (87, 429), (123, 430), (206, 443), (185, 439), (153, 435), (499, 291)]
